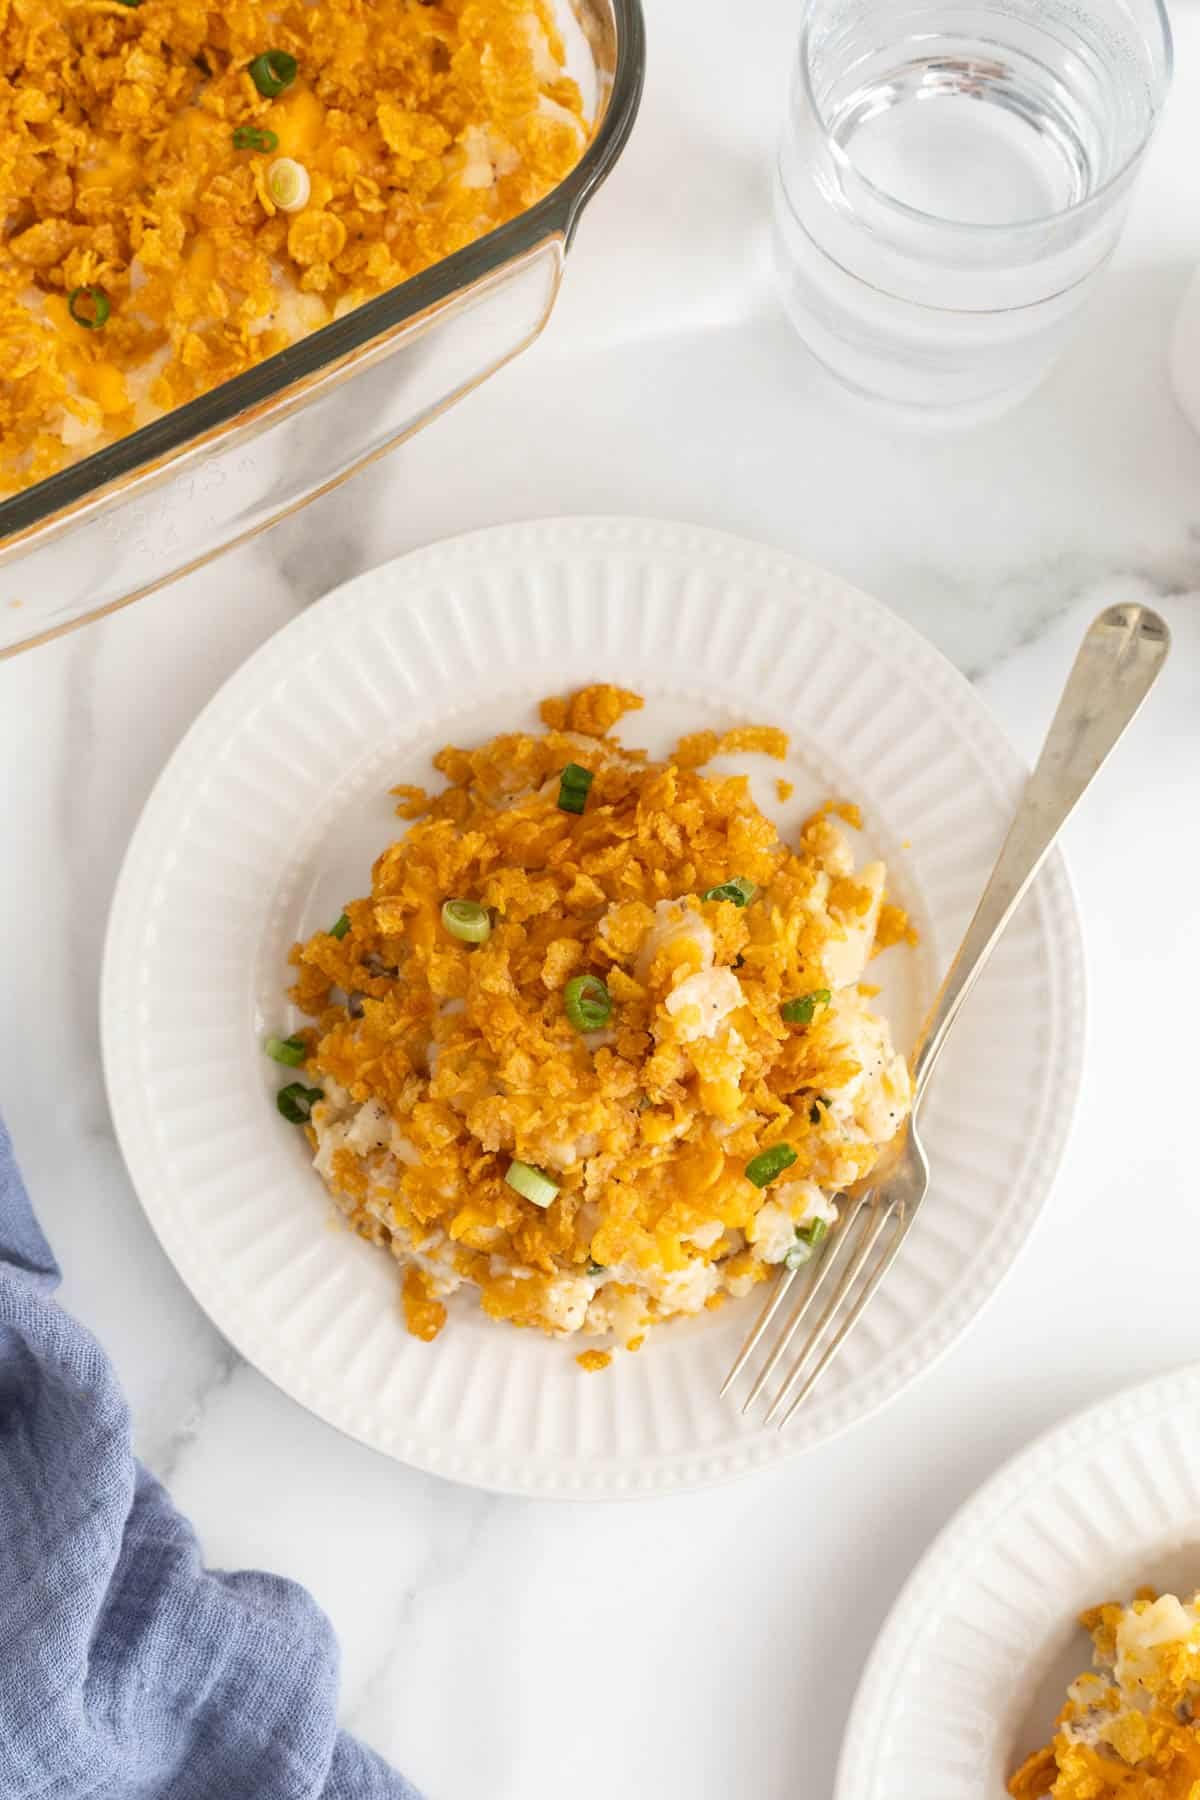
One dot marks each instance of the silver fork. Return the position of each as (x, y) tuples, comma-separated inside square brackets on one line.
[(1118, 661)]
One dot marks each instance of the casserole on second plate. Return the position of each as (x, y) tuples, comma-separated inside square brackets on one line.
[(970, 1668)]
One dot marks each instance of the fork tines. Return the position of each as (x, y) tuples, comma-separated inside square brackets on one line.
[(845, 1255)]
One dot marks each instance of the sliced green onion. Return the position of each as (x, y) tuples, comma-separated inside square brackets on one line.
[(809, 1239), (341, 927), (246, 137), (467, 920), (290, 1050), (288, 184), (800, 1012), (587, 1002), (130, 3), (764, 1167), (739, 892), (273, 71), (595, 1268), (98, 301), (295, 1102), (573, 785), (530, 1183)]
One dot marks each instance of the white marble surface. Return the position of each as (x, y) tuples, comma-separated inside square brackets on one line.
[(703, 1646)]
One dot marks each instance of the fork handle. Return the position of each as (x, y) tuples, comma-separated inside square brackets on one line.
[(1118, 661)]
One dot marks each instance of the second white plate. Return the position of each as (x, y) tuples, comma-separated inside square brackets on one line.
[(268, 817), (974, 1660)]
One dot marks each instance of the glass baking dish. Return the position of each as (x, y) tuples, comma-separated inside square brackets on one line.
[(174, 493)]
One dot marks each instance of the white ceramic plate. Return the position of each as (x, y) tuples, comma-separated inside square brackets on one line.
[(974, 1660), (268, 817)]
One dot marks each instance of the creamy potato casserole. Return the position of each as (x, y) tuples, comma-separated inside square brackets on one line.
[(1130, 1730), (186, 188), (597, 1044)]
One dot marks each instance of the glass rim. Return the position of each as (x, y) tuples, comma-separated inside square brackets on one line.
[(983, 228)]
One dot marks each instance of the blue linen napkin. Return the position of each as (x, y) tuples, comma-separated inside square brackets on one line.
[(128, 1671)]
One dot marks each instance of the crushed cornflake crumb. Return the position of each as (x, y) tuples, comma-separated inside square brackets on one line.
[(423, 1315), (454, 1059), (894, 927), (411, 802), (784, 790), (594, 1360), (766, 739), (699, 747), (592, 711), (420, 127)]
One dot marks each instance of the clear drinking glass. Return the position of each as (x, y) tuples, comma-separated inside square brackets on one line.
[(951, 182)]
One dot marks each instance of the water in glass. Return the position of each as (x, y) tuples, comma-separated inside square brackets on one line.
[(951, 181)]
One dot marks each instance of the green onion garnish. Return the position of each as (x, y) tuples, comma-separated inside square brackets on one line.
[(289, 184), (296, 1102), (129, 3), (531, 1183), (764, 1167), (246, 137), (587, 1002), (467, 920), (340, 929), (573, 785), (809, 1239), (595, 1268), (739, 891), (96, 299), (800, 1012), (273, 71), (290, 1050)]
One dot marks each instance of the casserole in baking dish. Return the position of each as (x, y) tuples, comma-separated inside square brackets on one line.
[(217, 223)]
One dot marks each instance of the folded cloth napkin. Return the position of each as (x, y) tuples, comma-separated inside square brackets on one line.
[(128, 1671)]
